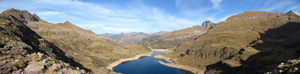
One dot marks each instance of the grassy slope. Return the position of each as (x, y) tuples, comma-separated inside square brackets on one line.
[(94, 52), (228, 37)]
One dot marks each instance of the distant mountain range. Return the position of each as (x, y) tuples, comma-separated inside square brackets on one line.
[(127, 38), (161, 39)]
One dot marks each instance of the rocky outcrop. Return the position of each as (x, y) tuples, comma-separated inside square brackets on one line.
[(207, 24), (291, 13), (288, 67), (40, 63)]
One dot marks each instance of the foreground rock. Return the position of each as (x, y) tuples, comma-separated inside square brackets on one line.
[(288, 67), (24, 51)]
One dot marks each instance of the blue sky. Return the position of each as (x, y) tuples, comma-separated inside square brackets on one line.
[(115, 16)]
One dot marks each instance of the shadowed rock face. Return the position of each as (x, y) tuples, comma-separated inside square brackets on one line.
[(240, 42), (172, 39), (22, 16)]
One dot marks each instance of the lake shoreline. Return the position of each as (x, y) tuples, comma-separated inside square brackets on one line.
[(120, 61), (172, 64)]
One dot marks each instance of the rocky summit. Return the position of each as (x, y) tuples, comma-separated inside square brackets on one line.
[(207, 24)]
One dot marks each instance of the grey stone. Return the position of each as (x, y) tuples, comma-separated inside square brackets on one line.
[(207, 24)]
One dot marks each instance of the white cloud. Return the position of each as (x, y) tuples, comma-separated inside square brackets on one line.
[(216, 3), (50, 13), (119, 29), (91, 24), (224, 18), (297, 13), (271, 5)]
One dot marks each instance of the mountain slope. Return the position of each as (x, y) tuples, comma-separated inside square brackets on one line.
[(93, 52), (24, 51), (172, 39), (231, 45)]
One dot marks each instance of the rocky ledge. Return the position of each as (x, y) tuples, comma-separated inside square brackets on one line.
[(288, 67)]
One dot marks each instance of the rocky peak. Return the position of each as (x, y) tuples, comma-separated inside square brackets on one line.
[(67, 22), (23, 16), (160, 33), (37, 17), (291, 13), (207, 24)]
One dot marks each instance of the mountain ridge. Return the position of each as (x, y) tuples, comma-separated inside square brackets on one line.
[(92, 51)]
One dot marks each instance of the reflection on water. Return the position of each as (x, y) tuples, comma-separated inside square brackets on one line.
[(147, 65)]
